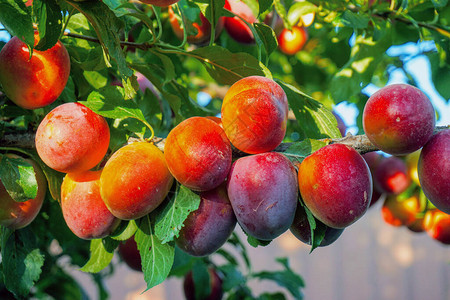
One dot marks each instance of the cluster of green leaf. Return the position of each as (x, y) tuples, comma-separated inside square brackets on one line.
[(108, 41)]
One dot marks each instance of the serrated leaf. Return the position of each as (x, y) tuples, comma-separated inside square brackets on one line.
[(267, 37), (315, 120), (18, 177), (110, 102), (285, 278), (226, 67), (49, 23), (102, 252), (21, 260), (298, 151), (173, 213), (16, 18), (157, 258)]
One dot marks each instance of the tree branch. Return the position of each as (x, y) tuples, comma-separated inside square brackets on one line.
[(359, 142)]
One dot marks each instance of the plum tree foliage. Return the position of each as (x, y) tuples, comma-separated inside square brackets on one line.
[(112, 43)]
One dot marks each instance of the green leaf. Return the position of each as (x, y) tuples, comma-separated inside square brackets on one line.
[(354, 20), (182, 263), (366, 54), (254, 242), (173, 213), (211, 9), (125, 231), (285, 278), (102, 252), (271, 296), (49, 23), (232, 277), (226, 67), (298, 151), (315, 120), (157, 258), (110, 102), (21, 260), (18, 177), (439, 3), (317, 228), (299, 9), (107, 26), (16, 18), (264, 5), (267, 37), (202, 280)]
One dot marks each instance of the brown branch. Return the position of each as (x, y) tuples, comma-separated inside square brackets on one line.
[(142, 46), (359, 142)]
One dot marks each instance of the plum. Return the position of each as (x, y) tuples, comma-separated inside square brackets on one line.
[(336, 185), (208, 228), (263, 192), (434, 170)]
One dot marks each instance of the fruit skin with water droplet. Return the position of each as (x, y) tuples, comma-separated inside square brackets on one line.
[(263, 192), (336, 185), (399, 119)]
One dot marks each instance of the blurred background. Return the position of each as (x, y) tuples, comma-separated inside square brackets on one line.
[(371, 260)]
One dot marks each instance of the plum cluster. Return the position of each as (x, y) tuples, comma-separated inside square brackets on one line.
[(399, 119)]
